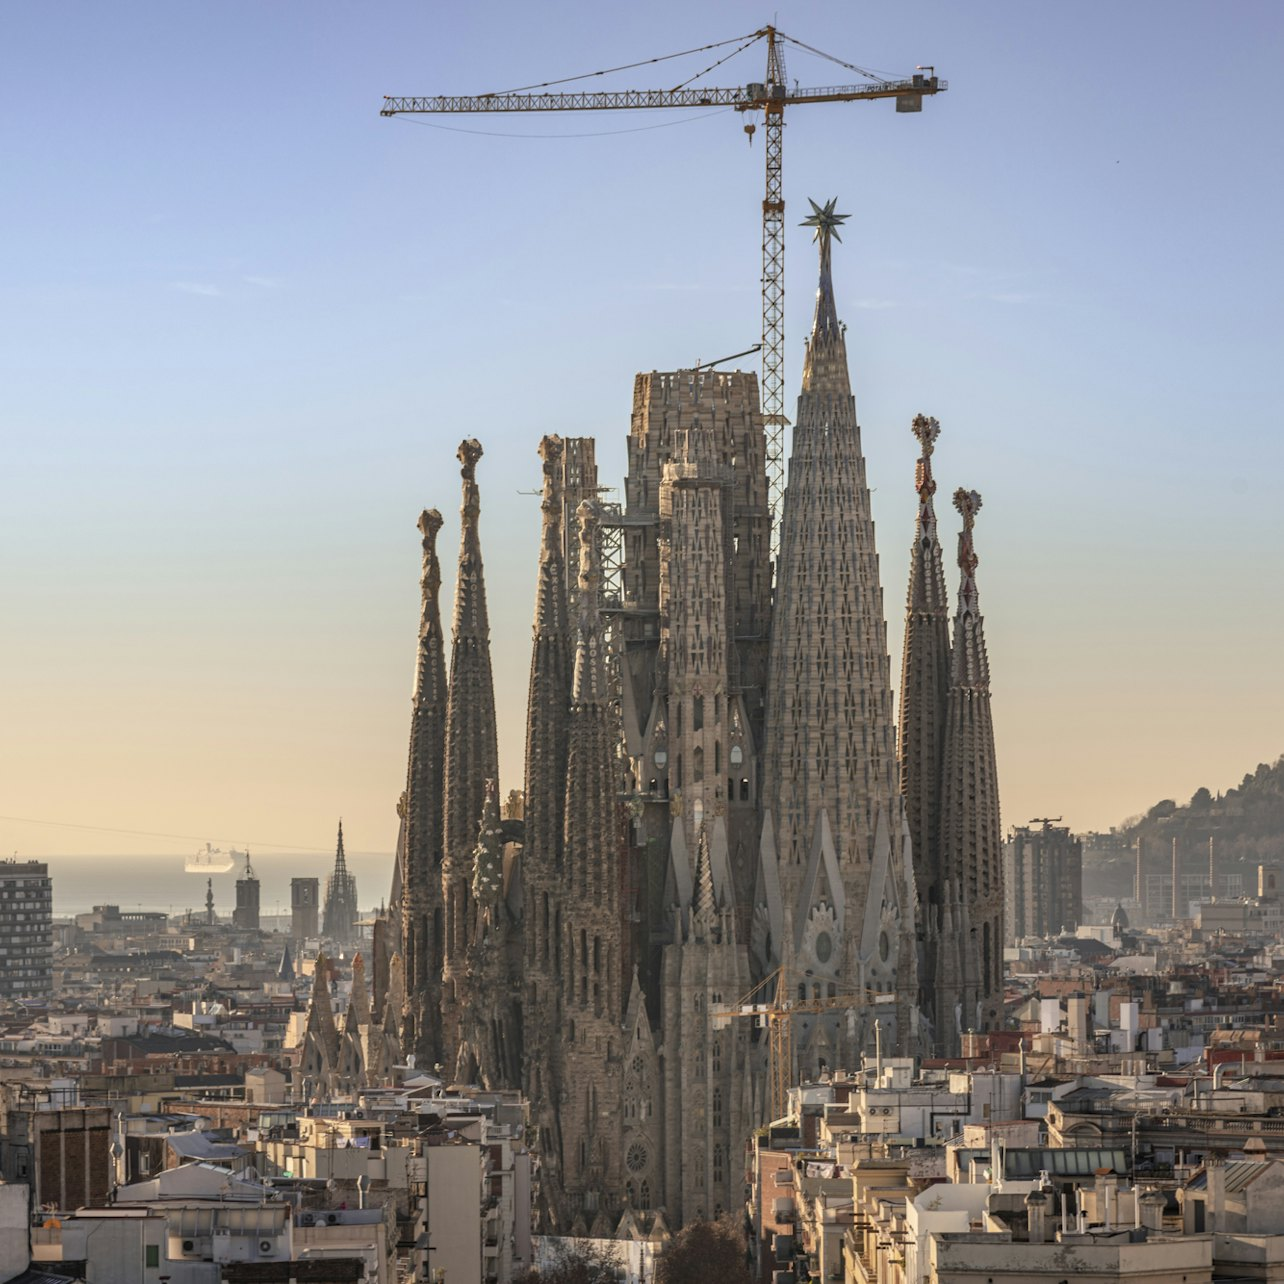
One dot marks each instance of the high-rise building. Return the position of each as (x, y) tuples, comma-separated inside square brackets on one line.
[(26, 929), (713, 798), (304, 908), (1042, 880)]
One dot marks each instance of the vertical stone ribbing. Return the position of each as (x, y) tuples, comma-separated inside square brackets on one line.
[(547, 712), (970, 980), (925, 683), (491, 1041), (593, 1003), (546, 716), (471, 752), (831, 794), (422, 818)]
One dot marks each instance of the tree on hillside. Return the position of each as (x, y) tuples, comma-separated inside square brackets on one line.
[(705, 1253), (577, 1261)]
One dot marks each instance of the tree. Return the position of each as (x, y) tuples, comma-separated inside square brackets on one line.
[(577, 1261), (705, 1253)]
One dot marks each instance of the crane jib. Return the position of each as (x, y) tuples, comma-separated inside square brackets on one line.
[(771, 96), (742, 98)]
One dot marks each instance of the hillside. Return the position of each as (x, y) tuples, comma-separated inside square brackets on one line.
[(1246, 822)]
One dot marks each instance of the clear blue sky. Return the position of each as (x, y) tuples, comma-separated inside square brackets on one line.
[(246, 320)]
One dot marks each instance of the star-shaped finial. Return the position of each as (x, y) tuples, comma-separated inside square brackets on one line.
[(824, 220)]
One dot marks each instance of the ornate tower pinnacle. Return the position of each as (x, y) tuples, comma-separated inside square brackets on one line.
[(925, 681), (422, 926), (471, 752), (340, 916), (826, 223), (833, 815), (971, 664), (588, 684), (547, 707), (825, 365)]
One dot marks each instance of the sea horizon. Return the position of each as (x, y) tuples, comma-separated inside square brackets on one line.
[(160, 882)]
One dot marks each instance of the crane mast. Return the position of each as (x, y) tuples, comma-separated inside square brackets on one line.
[(770, 96)]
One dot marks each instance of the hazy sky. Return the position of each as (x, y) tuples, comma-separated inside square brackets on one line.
[(246, 321)]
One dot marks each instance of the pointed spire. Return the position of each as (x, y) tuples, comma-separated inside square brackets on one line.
[(826, 223), (970, 981), (550, 687), (285, 971), (321, 1010), (825, 366), (550, 597), (471, 752), (340, 915), (427, 678), (925, 682), (927, 580), (471, 619), (423, 812), (971, 666), (359, 998), (589, 685)]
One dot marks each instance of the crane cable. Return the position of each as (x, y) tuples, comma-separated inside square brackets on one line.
[(752, 39), (820, 53), (628, 66)]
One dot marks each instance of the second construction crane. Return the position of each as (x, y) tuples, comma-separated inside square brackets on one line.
[(770, 96)]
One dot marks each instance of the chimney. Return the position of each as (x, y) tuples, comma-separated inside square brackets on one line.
[(1107, 1187), (1215, 1171), (1036, 1216), (1152, 1209), (1077, 1023)]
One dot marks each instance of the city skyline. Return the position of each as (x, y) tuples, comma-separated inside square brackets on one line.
[(252, 320)]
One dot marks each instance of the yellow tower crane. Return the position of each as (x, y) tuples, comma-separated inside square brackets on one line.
[(770, 96)]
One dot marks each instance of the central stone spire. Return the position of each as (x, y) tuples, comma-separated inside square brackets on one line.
[(472, 756), (833, 813)]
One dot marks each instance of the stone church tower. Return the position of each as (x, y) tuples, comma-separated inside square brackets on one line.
[(422, 913), (970, 976), (925, 683), (841, 911), (471, 755)]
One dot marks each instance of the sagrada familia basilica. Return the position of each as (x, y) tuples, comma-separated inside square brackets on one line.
[(717, 811)]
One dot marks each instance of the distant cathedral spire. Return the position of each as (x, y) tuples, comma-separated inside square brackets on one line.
[(925, 681), (471, 753), (970, 982), (339, 921), (422, 816)]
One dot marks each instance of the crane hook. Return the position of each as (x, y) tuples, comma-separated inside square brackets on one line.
[(749, 130)]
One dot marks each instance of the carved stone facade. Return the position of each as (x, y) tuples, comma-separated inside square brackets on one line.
[(950, 779), (835, 838), (713, 795)]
